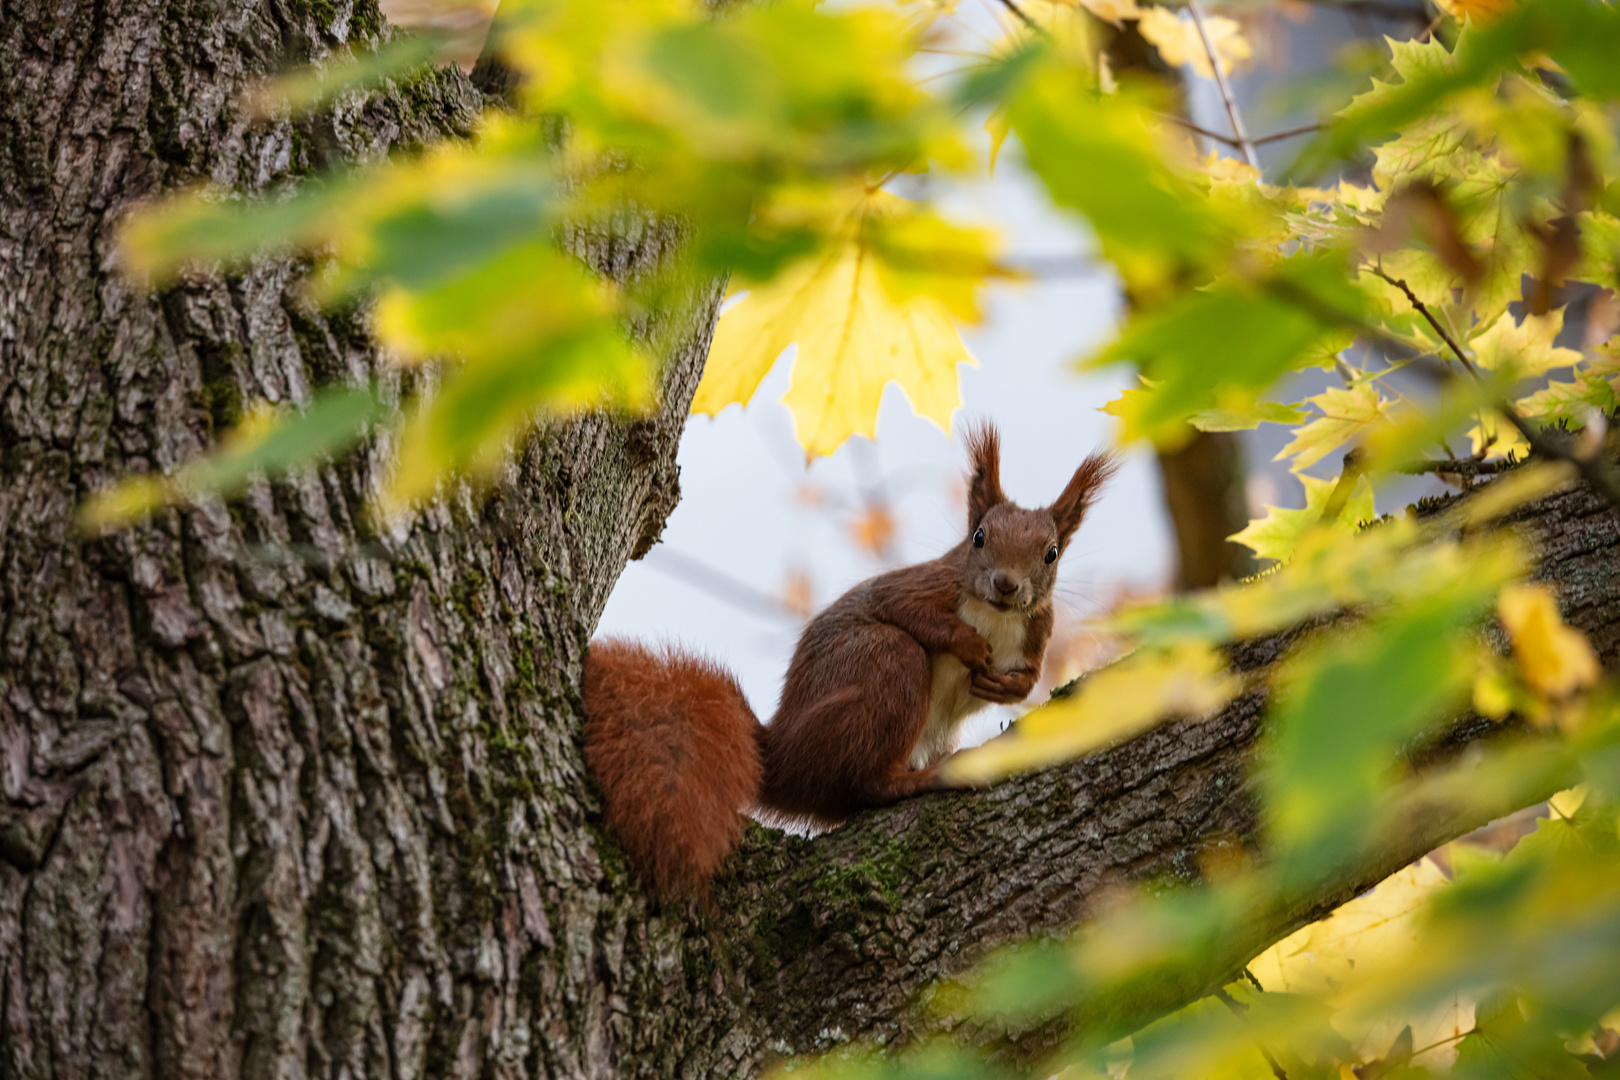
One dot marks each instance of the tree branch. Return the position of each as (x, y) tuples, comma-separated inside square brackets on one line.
[(841, 937)]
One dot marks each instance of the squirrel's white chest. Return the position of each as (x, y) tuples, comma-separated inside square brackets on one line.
[(950, 699)]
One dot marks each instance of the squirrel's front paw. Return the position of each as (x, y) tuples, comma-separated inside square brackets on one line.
[(1003, 688)]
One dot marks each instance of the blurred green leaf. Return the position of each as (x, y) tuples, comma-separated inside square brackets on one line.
[(306, 89), (1577, 34), (1104, 155), (1351, 704), (1222, 346)]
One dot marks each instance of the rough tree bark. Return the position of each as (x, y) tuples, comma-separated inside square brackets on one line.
[(286, 797)]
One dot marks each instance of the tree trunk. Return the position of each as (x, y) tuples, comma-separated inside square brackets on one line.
[(272, 816), (284, 796)]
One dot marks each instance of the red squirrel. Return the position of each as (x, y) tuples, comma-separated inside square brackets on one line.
[(877, 690)]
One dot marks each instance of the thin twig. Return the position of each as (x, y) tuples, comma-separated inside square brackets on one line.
[(1197, 130), (1012, 6), (1308, 129), (1226, 90), (717, 583), (1558, 446), (1423, 309)]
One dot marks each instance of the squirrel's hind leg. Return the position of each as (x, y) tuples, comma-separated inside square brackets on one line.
[(834, 754)]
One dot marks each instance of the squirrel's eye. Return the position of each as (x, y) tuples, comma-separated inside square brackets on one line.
[(978, 538), (1051, 554)]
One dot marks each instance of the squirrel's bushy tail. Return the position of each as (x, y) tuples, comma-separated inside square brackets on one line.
[(674, 748)]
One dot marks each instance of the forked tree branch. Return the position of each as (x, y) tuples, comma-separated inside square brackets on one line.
[(1238, 132)]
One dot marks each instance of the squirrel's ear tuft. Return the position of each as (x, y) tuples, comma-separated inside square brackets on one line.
[(1082, 490), (984, 471)]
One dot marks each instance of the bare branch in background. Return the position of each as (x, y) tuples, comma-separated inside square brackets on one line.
[(719, 584), (1279, 136), (1225, 88)]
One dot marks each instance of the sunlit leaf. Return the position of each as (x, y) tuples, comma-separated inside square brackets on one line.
[(1344, 415), (1380, 924), (1221, 347), (1353, 700), (1110, 704), (1244, 419), (1579, 36), (1555, 658), (310, 88), (1105, 156), (861, 318), (1277, 534), (1179, 41), (1525, 346)]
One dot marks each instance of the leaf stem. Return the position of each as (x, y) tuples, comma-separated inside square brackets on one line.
[(1199, 130)]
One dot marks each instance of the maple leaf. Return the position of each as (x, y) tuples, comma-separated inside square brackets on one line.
[(875, 308), (1114, 11), (1345, 415), (1382, 925), (1527, 346), (1570, 402), (1277, 534), (1556, 658), (1179, 42)]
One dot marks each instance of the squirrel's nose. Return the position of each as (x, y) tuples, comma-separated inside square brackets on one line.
[(1005, 581)]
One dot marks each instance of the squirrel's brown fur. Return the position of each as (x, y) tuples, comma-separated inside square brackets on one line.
[(673, 745), (879, 682)]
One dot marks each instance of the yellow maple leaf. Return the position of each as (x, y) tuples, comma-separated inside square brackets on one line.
[(1556, 658), (1276, 535), (1345, 415), (1528, 346), (875, 308), (1493, 437), (1113, 11), (1379, 927), (1179, 41)]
